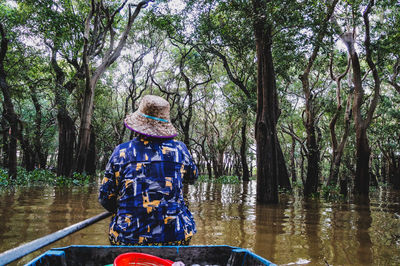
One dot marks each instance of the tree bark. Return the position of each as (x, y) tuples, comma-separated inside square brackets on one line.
[(283, 176), (5, 140), (8, 106), (92, 76), (337, 149), (267, 110), (186, 125), (220, 163), (40, 155), (66, 141), (293, 161), (313, 154), (90, 167), (313, 170), (133, 94), (66, 127), (240, 83), (362, 176), (243, 152), (28, 154), (394, 171), (204, 155)]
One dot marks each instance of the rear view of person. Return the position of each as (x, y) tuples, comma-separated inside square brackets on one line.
[(142, 185)]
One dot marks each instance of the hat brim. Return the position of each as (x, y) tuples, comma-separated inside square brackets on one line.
[(149, 127)]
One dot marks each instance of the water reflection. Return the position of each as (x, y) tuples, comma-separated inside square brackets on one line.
[(269, 225), (223, 213), (312, 221), (362, 225), (295, 231)]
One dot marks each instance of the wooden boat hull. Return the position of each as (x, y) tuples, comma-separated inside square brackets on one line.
[(189, 255)]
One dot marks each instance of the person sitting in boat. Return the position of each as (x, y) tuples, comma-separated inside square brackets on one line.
[(142, 185)]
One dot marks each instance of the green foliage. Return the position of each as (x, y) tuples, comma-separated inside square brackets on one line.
[(297, 184), (331, 193), (285, 191), (3, 177), (41, 177), (161, 38), (220, 180)]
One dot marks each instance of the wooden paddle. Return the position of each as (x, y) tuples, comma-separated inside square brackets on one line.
[(18, 252)]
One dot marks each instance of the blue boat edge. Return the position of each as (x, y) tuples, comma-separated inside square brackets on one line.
[(60, 252)]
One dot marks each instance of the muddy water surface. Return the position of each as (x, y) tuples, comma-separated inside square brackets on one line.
[(296, 231)]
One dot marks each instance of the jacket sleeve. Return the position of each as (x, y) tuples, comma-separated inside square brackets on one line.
[(108, 189), (190, 173)]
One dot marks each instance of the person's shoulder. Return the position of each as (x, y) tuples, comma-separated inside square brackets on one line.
[(126, 145), (126, 151), (180, 145), (173, 142)]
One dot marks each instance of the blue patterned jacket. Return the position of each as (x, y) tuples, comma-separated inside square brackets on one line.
[(142, 186)]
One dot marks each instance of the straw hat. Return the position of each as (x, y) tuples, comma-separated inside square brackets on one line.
[(152, 118)]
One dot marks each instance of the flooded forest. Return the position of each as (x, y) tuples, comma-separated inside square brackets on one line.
[(290, 109)]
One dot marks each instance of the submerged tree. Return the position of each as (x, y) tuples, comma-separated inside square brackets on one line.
[(100, 30), (8, 106), (338, 147), (267, 109), (313, 154), (363, 151)]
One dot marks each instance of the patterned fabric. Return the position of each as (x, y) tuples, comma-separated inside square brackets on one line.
[(142, 186), (184, 242)]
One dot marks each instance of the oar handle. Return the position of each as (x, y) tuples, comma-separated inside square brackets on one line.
[(18, 252)]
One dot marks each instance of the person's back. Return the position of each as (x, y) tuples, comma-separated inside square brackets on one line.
[(142, 187)]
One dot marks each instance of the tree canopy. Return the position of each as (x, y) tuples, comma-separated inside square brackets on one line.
[(70, 71)]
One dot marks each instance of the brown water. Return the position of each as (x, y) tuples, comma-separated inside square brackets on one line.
[(293, 232)]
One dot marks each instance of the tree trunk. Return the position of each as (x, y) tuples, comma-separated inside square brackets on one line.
[(90, 167), (394, 170), (66, 141), (12, 146), (302, 167), (206, 159), (312, 178), (186, 127), (66, 127), (267, 109), (85, 128), (283, 174), (209, 169), (396, 181), (334, 170), (93, 75), (8, 107), (41, 157), (243, 153), (383, 170), (5, 141), (313, 152), (337, 149), (215, 168), (362, 177), (220, 164), (293, 161), (363, 152), (28, 156)]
